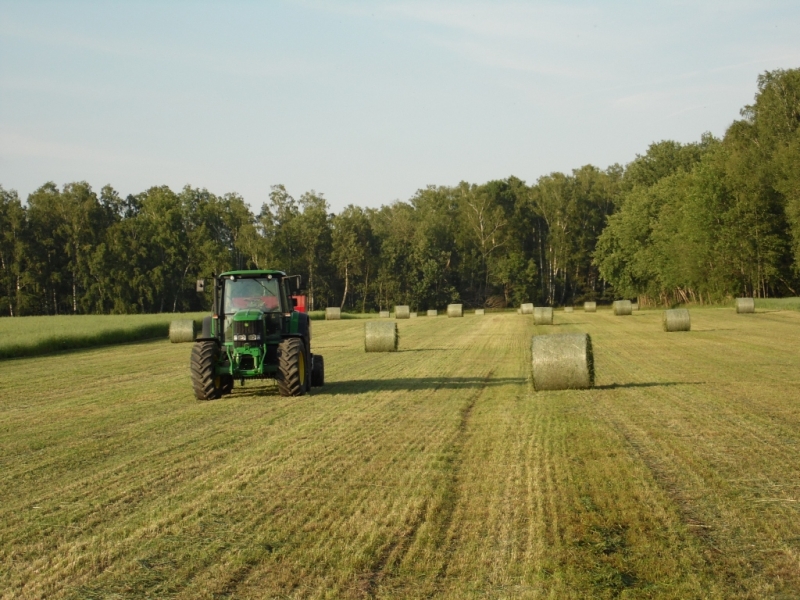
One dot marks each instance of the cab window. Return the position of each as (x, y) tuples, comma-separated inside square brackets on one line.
[(255, 293)]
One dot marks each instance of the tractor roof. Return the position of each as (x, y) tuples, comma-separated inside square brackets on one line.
[(254, 273)]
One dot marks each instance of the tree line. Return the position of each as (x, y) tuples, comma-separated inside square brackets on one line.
[(695, 222)]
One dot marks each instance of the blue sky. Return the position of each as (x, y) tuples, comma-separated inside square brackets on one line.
[(366, 102)]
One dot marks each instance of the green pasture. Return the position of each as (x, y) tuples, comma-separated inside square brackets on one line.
[(30, 336), (433, 472)]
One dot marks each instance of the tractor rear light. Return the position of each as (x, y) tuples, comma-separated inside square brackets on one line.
[(253, 337)]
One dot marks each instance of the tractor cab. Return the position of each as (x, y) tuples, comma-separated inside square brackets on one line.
[(254, 298)]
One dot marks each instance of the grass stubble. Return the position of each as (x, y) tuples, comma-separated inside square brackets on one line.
[(433, 472)]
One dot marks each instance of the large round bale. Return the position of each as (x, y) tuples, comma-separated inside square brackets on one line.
[(384, 314), (568, 309), (542, 315), (527, 309), (455, 310), (380, 336), (745, 305), (634, 306), (480, 311), (622, 308), (562, 361), (676, 319), (590, 307), (402, 312), (333, 313), (181, 330), (412, 315), (433, 313)]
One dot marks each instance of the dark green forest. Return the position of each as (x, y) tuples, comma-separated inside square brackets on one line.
[(682, 223)]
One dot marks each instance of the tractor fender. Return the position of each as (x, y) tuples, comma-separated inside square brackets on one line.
[(205, 334)]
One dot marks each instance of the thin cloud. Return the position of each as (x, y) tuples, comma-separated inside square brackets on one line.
[(196, 57), (16, 144)]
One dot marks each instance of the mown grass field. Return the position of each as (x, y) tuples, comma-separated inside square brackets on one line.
[(432, 472)]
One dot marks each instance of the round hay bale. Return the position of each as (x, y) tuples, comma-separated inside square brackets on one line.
[(402, 312), (412, 315), (455, 310), (568, 309), (480, 311), (622, 307), (634, 306), (677, 320), (433, 313), (527, 309), (333, 313), (384, 314), (745, 305), (181, 330), (590, 307), (542, 315), (562, 361), (380, 336)]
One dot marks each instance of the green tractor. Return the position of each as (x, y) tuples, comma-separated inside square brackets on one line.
[(255, 332)]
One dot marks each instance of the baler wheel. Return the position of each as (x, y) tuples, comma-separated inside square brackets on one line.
[(207, 385), (292, 369), (317, 371)]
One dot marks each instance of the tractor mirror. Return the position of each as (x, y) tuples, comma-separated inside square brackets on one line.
[(201, 285), (294, 282), (294, 302)]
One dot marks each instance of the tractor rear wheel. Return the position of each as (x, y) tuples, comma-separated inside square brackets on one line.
[(317, 371), (292, 369), (207, 385)]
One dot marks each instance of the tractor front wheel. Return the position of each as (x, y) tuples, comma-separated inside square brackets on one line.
[(292, 369), (206, 383)]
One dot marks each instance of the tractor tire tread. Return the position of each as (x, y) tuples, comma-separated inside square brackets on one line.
[(203, 362), (290, 352)]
